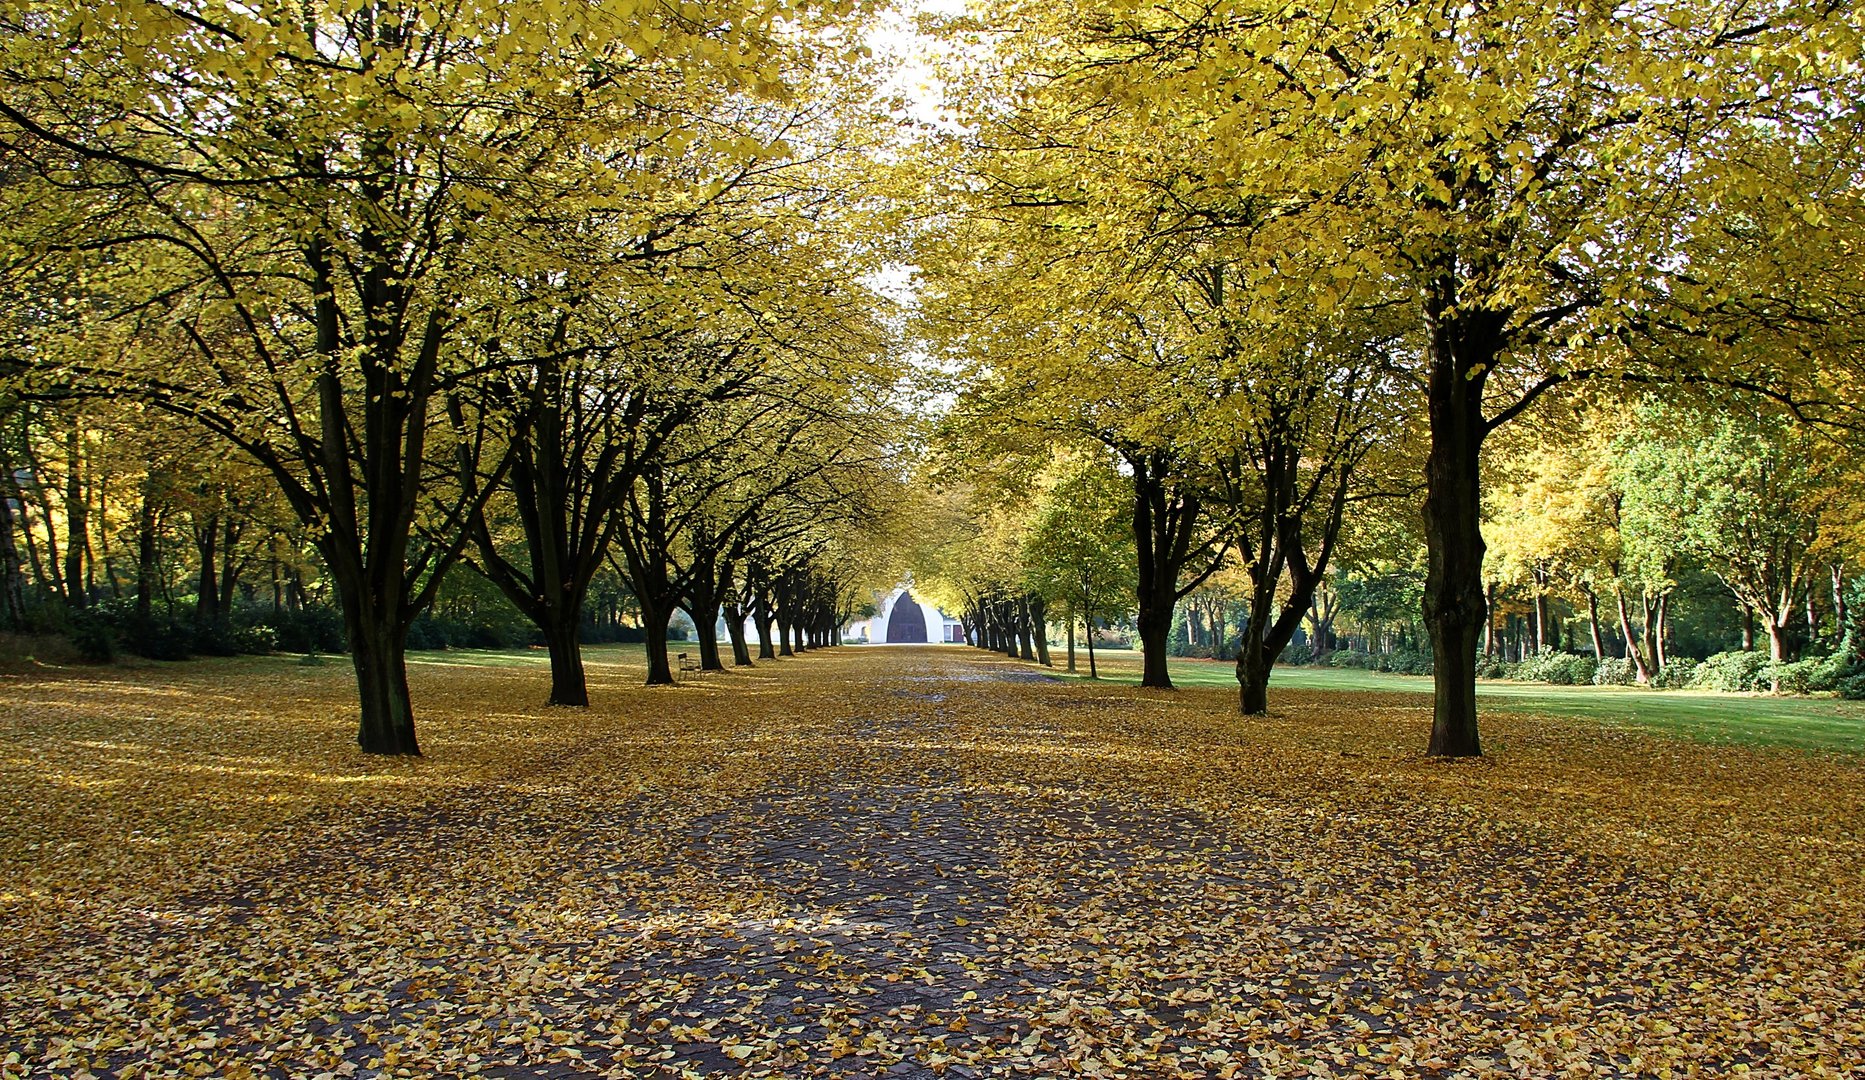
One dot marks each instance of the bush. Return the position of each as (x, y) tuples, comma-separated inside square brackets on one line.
[(214, 639), (1833, 671), (1794, 678), (253, 640), (1677, 673), (308, 630), (1404, 662), (1732, 672), (1853, 688), (1494, 667), (1615, 671), (93, 636), (1297, 654), (1559, 668), (1348, 658), (159, 637)]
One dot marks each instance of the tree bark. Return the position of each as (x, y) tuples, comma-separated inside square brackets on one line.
[(735, 632), (378, 651), (1463, 348), (1542, 639), (1253, 664), (1039, 629), (1632, 651), (1071, 642), (761, 618), (654, 623), (207, 586), (568, 685), (1599, 645), (12, 570), (77, 513), (146, 553), (706, 635), (1489, 618)]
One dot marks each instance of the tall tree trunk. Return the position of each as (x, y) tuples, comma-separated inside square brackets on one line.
[(1841, 615), (77, 518), (1253, 664), (378, 642), (1463, 348), (654, 622), (568, 685), (1632, 650), (1777, 649), (207, 585), (387, 723), (735, 632), (1489, 618), (12, 570), (1599, 645), (1039, 629), (1071, 641), (1026, 631), (1660, 645), (146, 550), (1649, 646), (761, 618), (706, 634), (230, 569), (1542, 638)]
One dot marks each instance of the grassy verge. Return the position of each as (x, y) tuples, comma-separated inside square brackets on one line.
[(1706, 716)]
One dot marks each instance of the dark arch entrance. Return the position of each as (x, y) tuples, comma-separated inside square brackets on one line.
[(907, 622)]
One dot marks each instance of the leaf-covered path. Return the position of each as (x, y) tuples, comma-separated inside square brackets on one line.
[(903, 862)]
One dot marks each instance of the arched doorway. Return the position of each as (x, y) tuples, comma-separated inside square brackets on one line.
[(906, 623)]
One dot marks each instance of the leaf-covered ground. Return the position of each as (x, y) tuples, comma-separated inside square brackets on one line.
[(901, 862)]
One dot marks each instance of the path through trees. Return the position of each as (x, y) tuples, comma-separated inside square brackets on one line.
[(921, 862)]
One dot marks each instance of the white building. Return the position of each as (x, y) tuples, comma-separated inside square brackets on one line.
[(902, 618)]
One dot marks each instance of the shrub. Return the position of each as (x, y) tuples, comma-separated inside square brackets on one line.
[(1794, 678), (1834, 670), (1494, 667), (1677, 673), (1569, 669), (308, 630), (1559, 668), (1297, 654), (1348, 658), (1404, 662), (1615, 671), (1853, 688), (93, 636), (159, 637), (253, 640), (1732, 672), (214, 639)]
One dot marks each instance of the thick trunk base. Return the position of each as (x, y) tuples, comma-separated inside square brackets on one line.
[(568, 686), (387, 725)]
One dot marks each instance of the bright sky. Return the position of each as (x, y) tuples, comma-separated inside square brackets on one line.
[(911, 55)]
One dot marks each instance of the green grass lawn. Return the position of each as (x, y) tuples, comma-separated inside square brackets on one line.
[(1707, 716)]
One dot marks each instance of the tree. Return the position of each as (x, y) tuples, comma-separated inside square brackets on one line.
[(1078, 549), (1744, 490), (299, 234), (1526, 180)]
